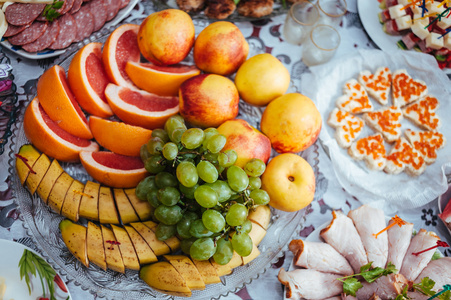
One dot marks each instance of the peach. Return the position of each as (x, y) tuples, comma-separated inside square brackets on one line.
[(220, 48), (208, 100), (292, 123), (166, 37), (247, 141)]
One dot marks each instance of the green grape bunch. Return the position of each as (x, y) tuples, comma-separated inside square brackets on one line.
[(198, 192)]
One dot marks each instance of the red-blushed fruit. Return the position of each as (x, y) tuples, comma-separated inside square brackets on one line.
[(208, 100), (50, 139), (247, 141), (141, 108), (114, 170)]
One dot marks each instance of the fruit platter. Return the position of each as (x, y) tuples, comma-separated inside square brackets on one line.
[(120, 215)]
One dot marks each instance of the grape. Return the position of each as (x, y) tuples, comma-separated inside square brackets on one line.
[(242, 243), (144, 186), (216, 143), (168, 195), (209, 132), (206, 196), (227, 158), (202, 249), (143, 153), (187, 174), (172, 124), (191, 215), (188, 192), (164, 179), (176, 135), (155, 145), (164, 232), (193, 138), (211, 157), (237, 179), (163, 135), (255, 167), (207, 171), (224, 251), (222, 189), (152, 198), (183, 227), (260, 197), (169, 215), (198, 229), (236, 215), (185, 244), (255, 183), (213, 220), (170, 151), (154, 164), (246, 227)]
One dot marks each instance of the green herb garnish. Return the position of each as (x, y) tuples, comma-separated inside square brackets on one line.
[(50, 10)]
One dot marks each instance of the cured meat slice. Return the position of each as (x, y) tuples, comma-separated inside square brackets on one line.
[(342, 235), (13, 30), (76, 6), (386, 287), (45, 40), (368, 221), (23, 13), (67, 32), (98, 9), (85, 23), (66, 6), (29, 35), (124, 3), (112, 7), (320, 257), (438, 270), (398, 243)]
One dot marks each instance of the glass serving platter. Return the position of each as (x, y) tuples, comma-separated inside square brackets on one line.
[(42, 224)]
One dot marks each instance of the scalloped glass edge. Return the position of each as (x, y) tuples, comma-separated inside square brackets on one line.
[(48, 239)]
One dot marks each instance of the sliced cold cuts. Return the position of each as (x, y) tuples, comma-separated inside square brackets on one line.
[(67, 5), (385, 287), (13, 30), (112, 7), (45, 40), (76, 7), (23, 13), (67, 33), (85, 23), (29, 35), (97, 8), (398, 243)]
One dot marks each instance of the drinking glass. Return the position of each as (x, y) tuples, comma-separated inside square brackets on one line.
[(331, 12), (321, 45), (300, 19)]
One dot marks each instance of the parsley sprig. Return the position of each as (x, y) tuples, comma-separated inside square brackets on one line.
[(425, 287), (50, 10)]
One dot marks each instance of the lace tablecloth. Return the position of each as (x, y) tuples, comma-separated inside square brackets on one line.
[(266, 36)]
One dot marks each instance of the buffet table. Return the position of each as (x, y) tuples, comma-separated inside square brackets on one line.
[(264, 36)]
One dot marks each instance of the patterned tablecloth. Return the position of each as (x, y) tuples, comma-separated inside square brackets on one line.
[(266, 36)]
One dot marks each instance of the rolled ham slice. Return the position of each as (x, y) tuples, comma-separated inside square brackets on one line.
[(385, 287), (398, 243), (438, 270), (368, 221), (310, 284), (413, 265), (320, 257), (343, 237)]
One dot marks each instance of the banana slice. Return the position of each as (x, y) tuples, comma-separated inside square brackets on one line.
[(3, 24)]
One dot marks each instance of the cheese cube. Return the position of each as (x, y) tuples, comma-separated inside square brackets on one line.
[(417, 10), (404, 22), (396, 11), (433, 8), (434, 42), (444, 22), (417, 18), (404, 2), (447, 42), (419, 30)]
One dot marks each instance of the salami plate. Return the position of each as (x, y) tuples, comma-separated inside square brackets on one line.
[(123, 13)]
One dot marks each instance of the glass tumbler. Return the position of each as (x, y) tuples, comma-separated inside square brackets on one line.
[(321, 46), (300, 19), (331, 12)]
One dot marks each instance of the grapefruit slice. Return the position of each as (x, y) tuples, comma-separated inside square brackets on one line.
[(160, 80), (141, 108), (88, 80), (114, 170), (119, 137), (59, 103), (120, 47), (51, 139)]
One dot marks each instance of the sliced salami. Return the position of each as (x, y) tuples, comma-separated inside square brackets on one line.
[(66, 7), (49, 36), (112, 8), (29, 35), (76, 7), (98, 9), (13, 30), (67, 32), (124, 3), (85, 23), (19, 14)]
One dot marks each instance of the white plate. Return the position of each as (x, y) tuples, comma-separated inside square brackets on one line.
[(443, 201), (368, 12), (123, 13), (10, 254)]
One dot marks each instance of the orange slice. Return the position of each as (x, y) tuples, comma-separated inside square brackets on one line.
[(113, 169), (119, 137), (49, 138), (121, 47), (160, 80), (141, 108), (88, 80), (59, 103)]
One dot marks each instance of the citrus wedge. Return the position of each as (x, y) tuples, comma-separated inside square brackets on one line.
[(88, 80), (120, 47), (119, 137), (113, 169), (140, 108), (59, 103), (49, 138), (160, 80)]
